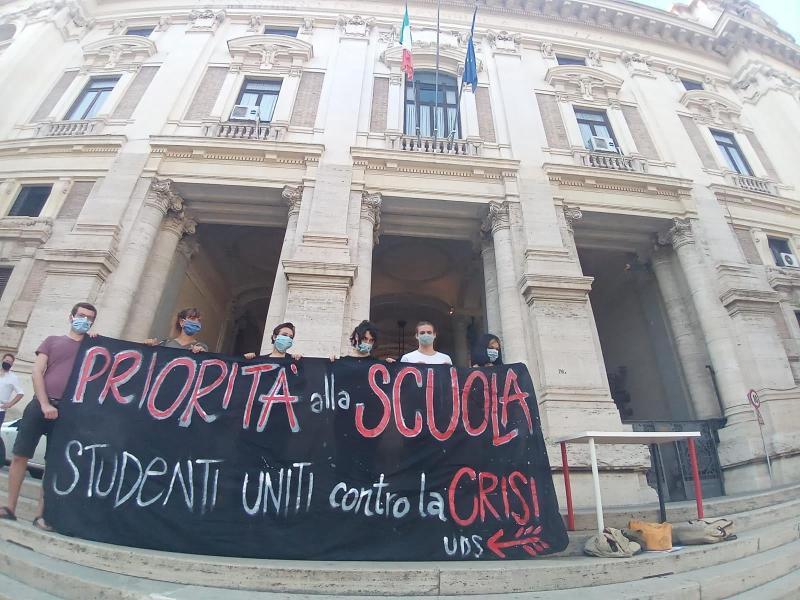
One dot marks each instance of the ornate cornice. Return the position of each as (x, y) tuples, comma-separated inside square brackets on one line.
[(575, 83), (711, 108), (559, 288), (755, 79), (117, 52), (451, 60), (355, 26), (268, 52)]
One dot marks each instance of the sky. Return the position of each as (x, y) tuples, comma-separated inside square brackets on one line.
[(785, 12)]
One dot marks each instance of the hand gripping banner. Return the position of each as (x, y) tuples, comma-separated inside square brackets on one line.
[(310, 459)]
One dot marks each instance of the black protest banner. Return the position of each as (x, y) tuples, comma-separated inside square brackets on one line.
[(310, 459)]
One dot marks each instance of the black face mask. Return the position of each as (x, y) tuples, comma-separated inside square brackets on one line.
[(7, 366)]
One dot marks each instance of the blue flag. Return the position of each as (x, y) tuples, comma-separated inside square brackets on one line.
[(470, 63)]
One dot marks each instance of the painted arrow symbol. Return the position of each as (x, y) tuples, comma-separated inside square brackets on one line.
[(529, 539)]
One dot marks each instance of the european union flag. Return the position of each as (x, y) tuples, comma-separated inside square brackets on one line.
[(470, 63)]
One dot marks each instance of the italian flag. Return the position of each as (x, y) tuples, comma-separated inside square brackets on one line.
[(405, 42)]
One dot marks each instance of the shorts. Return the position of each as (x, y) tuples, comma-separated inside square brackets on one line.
[(31, 429)]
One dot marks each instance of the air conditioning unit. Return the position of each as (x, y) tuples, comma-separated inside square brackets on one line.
[(242, 112), (789, 260), (602, 144)]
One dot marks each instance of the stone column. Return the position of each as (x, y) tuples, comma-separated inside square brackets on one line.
[(368, 227), (152, 285), (162, 322), (395, 114), (713, 320), (118, 295), (460, 343), (293, 195), (499, 223), (490, 288), (693, 358)]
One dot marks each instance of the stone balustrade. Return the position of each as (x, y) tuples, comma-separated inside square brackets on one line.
[(752, 184), (69, 128), (245, 131), (412, 143), (610, 160)]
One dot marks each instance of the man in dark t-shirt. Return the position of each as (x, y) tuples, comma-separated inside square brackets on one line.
[(55, 358)]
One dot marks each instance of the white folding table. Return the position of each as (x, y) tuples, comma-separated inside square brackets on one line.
[(650, 438)]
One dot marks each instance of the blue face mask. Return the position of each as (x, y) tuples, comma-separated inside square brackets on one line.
[(283, 343), (81, 324), (426, 339), (492, 354), (364, 347), (191, 327)]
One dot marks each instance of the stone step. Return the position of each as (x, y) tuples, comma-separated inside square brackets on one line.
[(770, 574), (11, 589), (454, 578), (30, 487), (783, 588)]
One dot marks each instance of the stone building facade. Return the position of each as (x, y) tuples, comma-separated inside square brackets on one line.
[(618, 199)]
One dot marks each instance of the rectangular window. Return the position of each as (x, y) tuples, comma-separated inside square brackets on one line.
[(594, 123), (140, 31), (30, 201), (262, 94), (290, 31), (570, 60), (5, 275), (732, 153), (92, 98), (421, 98), (797, 316), (782, 252), (690, 85)]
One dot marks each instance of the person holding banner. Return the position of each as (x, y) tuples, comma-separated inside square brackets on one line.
[(55, 358), (425, 354), (362, 341), (188, 322), (486, 352)]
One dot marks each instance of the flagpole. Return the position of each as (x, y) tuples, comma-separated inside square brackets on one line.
[(461, 87), (436, 81)]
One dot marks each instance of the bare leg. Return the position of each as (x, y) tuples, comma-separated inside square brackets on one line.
[(16, 475)]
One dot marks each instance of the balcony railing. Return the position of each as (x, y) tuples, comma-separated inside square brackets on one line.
[(245, 131), (752, 184), (412, 143), (69, 128), (611, 160)]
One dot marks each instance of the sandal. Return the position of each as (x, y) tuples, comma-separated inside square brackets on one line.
[(5, 513), (39, 523)]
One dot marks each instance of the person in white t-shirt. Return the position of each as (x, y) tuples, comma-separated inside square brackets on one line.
[(426, 335), (10, 389)]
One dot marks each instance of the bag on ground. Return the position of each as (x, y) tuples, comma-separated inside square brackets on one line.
[(653, 536), (611, 544), (702, 531)]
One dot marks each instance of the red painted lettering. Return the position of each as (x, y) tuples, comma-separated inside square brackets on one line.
[(497, 439), (87, 366), (483, 494), (385, 402), (256, 371), (526, 515), (456, 407), (518, 396), (116, 379), (398, 407), (201, 390), (182, 361), (451, 497), (465, 393), (226, 400), (279, 393)]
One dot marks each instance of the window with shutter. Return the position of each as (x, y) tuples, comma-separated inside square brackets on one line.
[(5, 275)]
